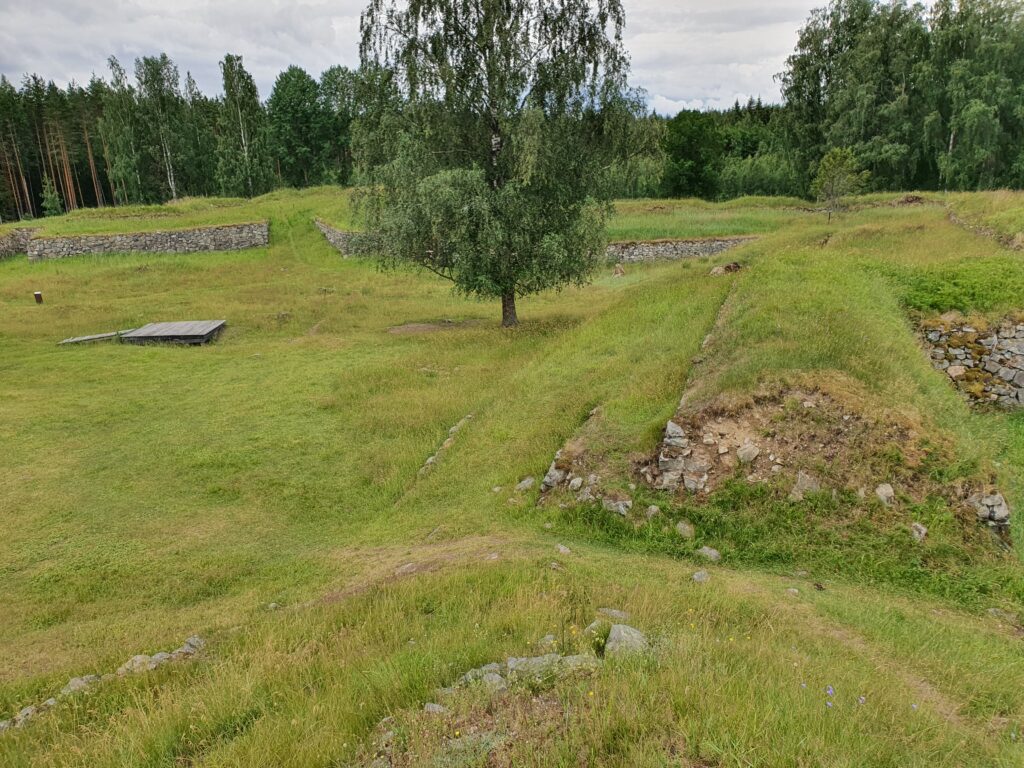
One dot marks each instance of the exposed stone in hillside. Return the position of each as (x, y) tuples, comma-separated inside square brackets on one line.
[(805, 483), (228, 237), (726, 269), (657, 250), (985, 363), (448, 443), (624, 640), (992, 509)]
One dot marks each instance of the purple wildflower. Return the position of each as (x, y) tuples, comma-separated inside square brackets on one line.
[(830, 691)]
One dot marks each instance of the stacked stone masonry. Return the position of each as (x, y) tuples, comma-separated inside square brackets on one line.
[(229, 237), (659, 250), (629, 253), (15, 242), (342, 241), (985, 363)]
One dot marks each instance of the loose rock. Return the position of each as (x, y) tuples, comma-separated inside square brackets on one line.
[(918, 531), (685, 529), (805, 483), (709, 553), (886, 494), (702, 577), (624, 640), (526, 484)]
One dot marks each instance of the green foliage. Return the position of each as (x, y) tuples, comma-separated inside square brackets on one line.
[(297, 126), (243, 157), (52, 205), (493, 173), (838, 177), (693, 146)]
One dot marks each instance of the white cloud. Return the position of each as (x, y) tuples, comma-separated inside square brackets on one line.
[(685, 54)]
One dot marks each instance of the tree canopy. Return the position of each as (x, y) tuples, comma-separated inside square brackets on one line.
[(511, 114)]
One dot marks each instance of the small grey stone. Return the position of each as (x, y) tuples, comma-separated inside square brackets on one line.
[(619, 507), (793, 591), (494, 682), (747, 453), (569, 665), (24, 715), (553, 478), (431, 708), (886, 494), (272, 606), (138, 663), (575, 484), (160, 658), (76, 684), (4, 725), (624, 640), (709, 553), (195, 642), (652, 512), (526, 484), (702, 577), (563, 550), (532, 666), (614, 614), (597, 629), (805, 483), (49, 703), (685, 529), (1006, 374), (918, 531)]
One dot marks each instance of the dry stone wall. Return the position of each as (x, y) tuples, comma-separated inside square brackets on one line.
[(342, 241), (229, 237), (659, 250), (986, 363), (15, 242)]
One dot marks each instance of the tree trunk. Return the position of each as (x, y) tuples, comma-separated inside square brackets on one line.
[(508, 310)]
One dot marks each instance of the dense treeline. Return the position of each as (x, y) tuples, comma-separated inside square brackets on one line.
[(924, 98), (149, 136)]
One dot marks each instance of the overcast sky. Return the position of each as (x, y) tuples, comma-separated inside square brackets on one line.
[(686, 53)]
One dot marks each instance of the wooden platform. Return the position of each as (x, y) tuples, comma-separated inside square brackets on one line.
[(187, 332)]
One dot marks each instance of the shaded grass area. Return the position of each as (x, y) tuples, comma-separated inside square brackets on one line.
[(149, 493)]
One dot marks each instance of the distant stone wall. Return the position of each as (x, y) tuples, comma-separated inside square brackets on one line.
[(341, 240), (658, 250), (985, 363), (15, 242), (230, 237)]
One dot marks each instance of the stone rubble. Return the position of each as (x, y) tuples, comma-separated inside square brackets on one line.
[(136, 664), (229, 237), (992, 509), (987, 364), (657, 250), (448, 443)]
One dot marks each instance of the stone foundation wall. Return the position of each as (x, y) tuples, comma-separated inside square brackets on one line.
[(229, 237), (342, 241), (15, 242), (985, 363), (658, 250)]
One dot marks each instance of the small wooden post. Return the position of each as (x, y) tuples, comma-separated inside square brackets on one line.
[(39, 297)]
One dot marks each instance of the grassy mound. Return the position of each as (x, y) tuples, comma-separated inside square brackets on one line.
[(265, 493)]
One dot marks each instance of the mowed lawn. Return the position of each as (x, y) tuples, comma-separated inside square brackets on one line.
[(149, 493)]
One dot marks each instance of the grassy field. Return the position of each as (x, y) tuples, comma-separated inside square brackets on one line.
[(151, 493)]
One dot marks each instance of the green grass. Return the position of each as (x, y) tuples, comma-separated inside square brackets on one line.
[(149, 493)]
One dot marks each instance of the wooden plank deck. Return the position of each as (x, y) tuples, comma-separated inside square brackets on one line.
[(95, 337), (186, 332)]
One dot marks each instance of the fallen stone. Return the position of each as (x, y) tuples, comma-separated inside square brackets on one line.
[(709, 553), (886, 494), (793, 591), (702, 577), (805, 483), (618, 506), (675, 436), (553, 478), (24, 716), (432, 708), (76, 684), (747, 453), (918, 531), (494, 682), (579, 663), (575, 484), (614, 614), (532, 667), (624, 640), (526, 484), (563, 550), (138, 663), (652, 512), (685, 529)]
